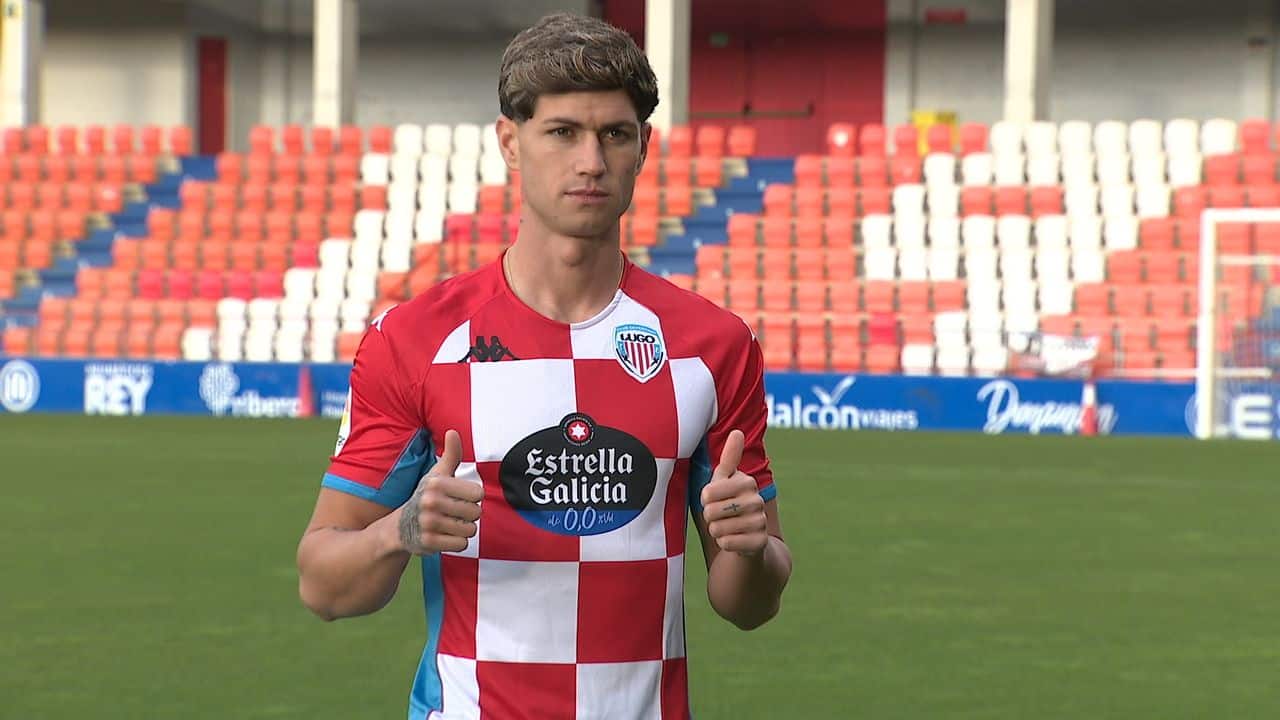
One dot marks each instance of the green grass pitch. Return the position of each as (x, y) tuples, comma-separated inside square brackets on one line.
[(146, 571)]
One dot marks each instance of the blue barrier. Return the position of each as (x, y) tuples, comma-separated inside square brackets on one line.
[(834, 401)]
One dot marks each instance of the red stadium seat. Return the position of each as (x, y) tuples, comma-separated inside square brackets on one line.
[(680, 141), (872, 171), (1156, 234), (905, 169), (1046, 201), (741, 141), (1259, 169), (1189, 202), (322, 141), (181, 141), (1222, 169), (841, 140), (1255, 136), (709, 141), (1011, 200), (380, 137), (977, 200), (351, 140), (808, 171), (872, 140), (939, 138), (151, 140), (122, 139), (973, 138), (1263, 196), (906, 141)]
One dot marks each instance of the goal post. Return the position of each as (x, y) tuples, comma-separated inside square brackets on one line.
[(1214, 366)]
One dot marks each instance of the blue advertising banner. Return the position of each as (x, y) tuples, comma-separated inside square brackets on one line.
[(800, 400)]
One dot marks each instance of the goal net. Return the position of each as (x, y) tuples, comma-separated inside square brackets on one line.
[(1238, 333)]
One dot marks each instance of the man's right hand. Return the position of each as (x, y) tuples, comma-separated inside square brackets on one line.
[(442, 512)]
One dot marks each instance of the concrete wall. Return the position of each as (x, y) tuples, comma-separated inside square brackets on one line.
[(1139, 58)]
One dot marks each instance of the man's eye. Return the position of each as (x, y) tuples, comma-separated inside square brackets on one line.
[(618, 134), (560, 132)]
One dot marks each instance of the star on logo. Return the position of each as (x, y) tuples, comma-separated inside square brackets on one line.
[(578, 431)]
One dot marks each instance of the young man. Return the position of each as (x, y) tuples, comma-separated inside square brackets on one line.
[(538, 430)]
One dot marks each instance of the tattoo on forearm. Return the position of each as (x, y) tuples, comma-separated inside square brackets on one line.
[(410, 530)]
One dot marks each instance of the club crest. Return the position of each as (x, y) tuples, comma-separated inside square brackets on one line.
[(640, 351)]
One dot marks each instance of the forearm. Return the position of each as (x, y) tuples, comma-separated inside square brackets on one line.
[(344, 573), (747, 591)]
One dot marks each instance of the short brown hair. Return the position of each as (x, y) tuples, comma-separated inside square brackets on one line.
[(567, 53)]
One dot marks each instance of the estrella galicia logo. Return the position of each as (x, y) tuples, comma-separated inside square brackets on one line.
[(492, 351), (579, 478), (639, 349)]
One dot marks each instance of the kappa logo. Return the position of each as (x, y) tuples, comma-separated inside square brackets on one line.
[(640, 351), (377, 322), (493, 351)]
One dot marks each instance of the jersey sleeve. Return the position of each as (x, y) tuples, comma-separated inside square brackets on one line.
[(383, 447), (740, 405)]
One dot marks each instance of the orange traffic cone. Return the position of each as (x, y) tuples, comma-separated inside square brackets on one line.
[(1089, 409)]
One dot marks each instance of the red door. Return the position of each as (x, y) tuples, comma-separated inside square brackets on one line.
[(212, 112)]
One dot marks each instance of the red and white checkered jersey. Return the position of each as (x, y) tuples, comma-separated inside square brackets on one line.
[(592, 441)]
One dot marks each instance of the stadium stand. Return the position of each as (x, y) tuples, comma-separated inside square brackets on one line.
[(902, 249)]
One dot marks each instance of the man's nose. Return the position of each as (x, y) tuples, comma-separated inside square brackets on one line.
[(589, 157)]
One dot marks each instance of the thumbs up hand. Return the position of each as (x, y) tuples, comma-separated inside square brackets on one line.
[(732, 506), (442, 512)]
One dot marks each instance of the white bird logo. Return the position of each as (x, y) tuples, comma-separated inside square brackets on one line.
[(833, 398)]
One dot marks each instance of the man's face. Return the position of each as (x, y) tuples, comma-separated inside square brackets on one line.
[(578, 157)]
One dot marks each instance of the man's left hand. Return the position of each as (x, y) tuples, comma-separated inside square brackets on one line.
[(732, 506)]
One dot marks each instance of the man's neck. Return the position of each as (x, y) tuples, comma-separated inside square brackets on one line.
[(566, 279)]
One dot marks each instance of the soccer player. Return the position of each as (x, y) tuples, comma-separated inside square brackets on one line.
[(539, 430)]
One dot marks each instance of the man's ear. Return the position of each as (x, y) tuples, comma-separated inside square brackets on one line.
[(646, 131), (509, 141)]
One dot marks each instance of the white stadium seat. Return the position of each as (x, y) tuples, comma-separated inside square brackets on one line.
[(375, 169), (493, 169), (1051, 232), (1015, 265), (1020, 321), (320, 348), (990, 360), (1182, 137), (981, 265), (300, 283), (229, 345), (1218, 137), (1043, 169), (462, 197), (1113, 169), (1056, 298), (909, 231), (1116, 200), (368, 224), (489, 140), (434, 170), (917, 359), (466, 139), (259, 345), (1153, 200), (464, 168), (1110, 137), (1088, 266), (880, 263), (263, 311), (335, 253), (197, 344), (908, 199), (943, 201), (434, 198), (1013, 232), (1120, 232), (913, 263), (331, 283), (1010, 169), (231, 310), (1018, 294), (1086, 232), (293, 310), (353, 315), (1053, 264), (953, 360), (978, 231), (288, 346), (397, 256), (404, 168), (1186, 170), (944, 263), (1005, 138), (1150, 169), (1075, 137), (428, 226), (365, 255), (407, 139), (977, 169), (1078, 170), (402, 195), (1145, 137), (325, 310), (986, 328), (877, 231), (950, 329), (437, 139), (362, 286), (939, 170), (1041, 139), (944, 232), (399, 223)]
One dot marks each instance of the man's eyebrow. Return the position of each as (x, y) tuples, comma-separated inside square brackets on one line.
[(625, 124)]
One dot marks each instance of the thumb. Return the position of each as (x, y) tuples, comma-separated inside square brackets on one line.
[(448, 462), (731, 456)]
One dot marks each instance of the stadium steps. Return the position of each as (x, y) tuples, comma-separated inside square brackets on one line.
[(708, 225)]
